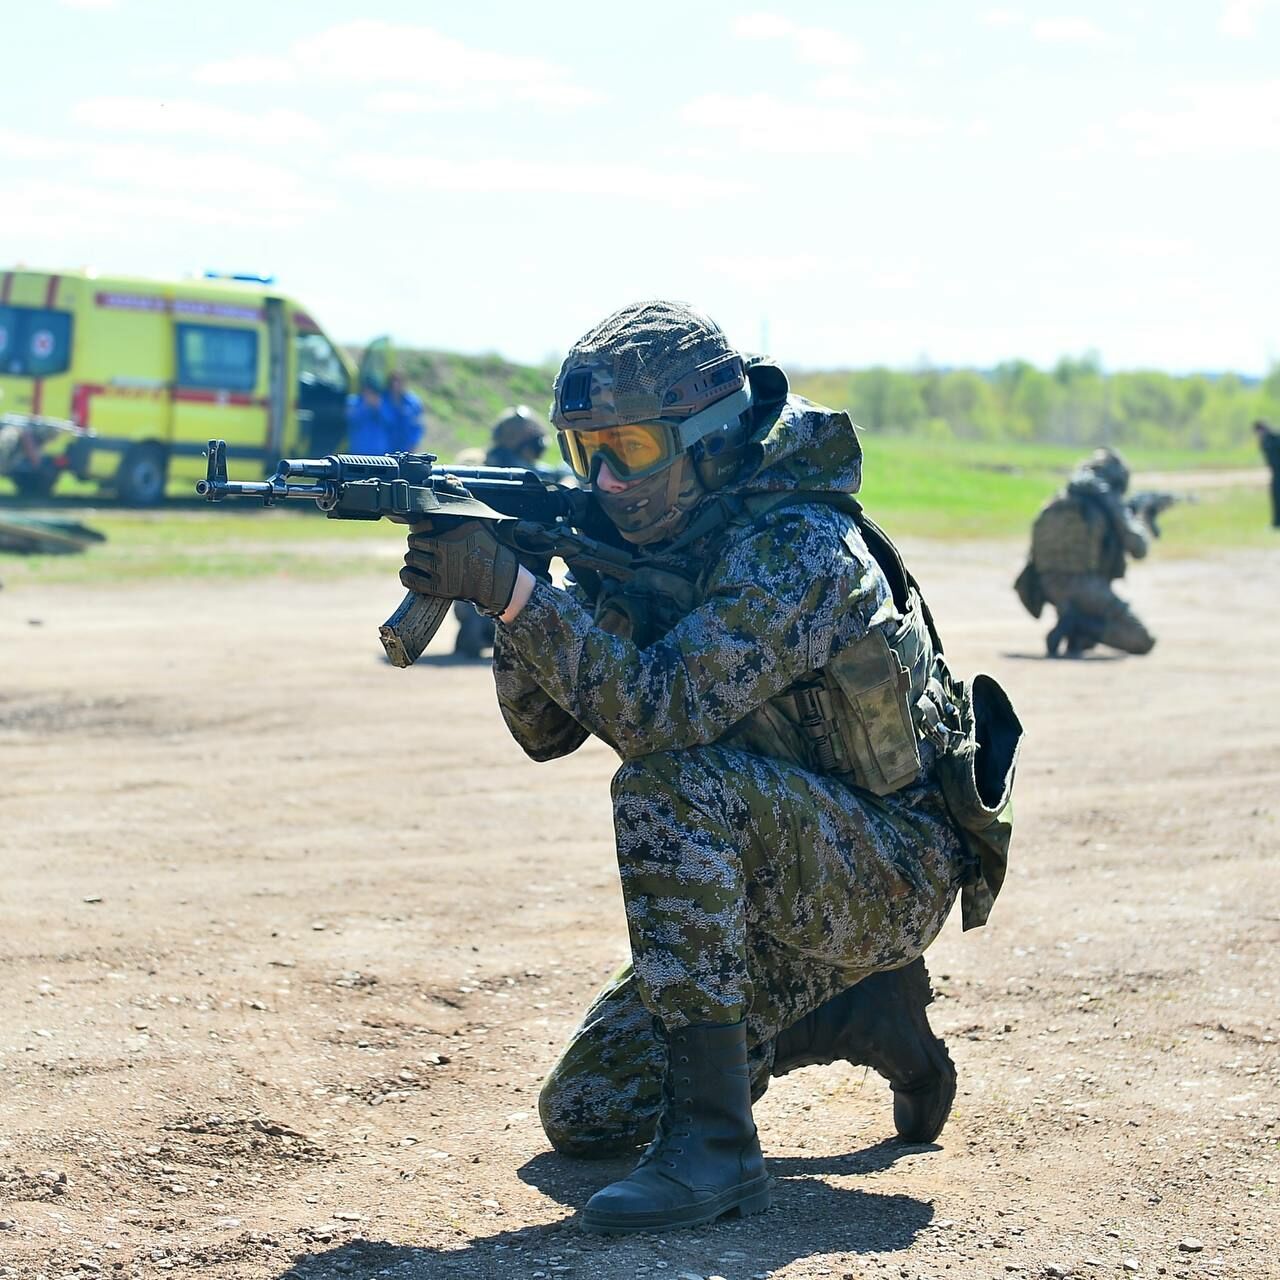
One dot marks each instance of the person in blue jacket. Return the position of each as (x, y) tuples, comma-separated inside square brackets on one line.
[(366, 425), (402, 411), (387, 421)]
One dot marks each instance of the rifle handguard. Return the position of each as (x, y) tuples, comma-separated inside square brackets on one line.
[(408, 631)]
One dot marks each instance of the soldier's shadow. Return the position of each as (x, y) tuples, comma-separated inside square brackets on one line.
[(809, 1216), (571, 1182), (452, 660), (1041, 656)]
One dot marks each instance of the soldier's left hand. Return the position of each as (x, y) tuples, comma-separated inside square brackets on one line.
[(463, 563)]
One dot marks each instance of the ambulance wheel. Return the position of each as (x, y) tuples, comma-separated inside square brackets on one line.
[(142, 475)]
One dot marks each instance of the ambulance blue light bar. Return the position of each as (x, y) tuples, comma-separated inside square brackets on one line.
[(245, 277)]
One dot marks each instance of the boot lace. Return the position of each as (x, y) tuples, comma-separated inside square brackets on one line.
[(676, 1119)]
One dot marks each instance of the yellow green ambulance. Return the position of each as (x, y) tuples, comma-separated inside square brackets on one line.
[(146, 372)]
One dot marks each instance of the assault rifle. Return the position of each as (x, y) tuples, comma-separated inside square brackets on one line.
[(1149, 504), (535, 517)]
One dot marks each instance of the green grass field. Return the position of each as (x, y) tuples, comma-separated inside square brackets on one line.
[(915, 489), (968, 490)]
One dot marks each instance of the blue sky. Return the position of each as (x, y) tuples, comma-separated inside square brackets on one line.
[(842, 183)]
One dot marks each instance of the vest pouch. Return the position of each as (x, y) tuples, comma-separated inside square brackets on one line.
[(1030, 589), (870, 696), (976, 775)]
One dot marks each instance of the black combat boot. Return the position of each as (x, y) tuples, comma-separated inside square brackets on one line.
[(881, 1023), (1057, 635), (1072, 630), (1085, 633), (705, 1159)]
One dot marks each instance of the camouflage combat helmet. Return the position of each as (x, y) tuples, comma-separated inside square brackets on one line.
[(656, 393), (1109, 467), (518, 426)]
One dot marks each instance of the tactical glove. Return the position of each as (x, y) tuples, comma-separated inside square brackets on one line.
[(463, 563)]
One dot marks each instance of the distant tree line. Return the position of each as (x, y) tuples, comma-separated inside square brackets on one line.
[(1074, 403)]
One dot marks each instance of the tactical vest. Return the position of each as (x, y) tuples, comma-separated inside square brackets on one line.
[(1074, 534), (878, 712), (864, 714)]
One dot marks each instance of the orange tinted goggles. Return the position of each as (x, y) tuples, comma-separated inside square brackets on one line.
[(633, 451)]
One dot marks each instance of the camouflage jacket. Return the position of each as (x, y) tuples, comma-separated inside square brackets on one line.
[(773, 598)]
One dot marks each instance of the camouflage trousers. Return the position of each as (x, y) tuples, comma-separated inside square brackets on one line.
[(753, 889), (1099, 614)]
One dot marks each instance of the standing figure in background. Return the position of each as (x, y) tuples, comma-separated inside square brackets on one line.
[(403, 413), (366, 425), (518, 439), (384, 420), (1079, 545), (1269, 442)]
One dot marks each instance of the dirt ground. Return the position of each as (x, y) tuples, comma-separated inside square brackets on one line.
[(289, 938)]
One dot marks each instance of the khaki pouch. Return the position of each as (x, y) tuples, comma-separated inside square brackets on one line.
[(870, 694)]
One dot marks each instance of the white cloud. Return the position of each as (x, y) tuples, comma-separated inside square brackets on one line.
[(497, 175), (472, 97), (148, 181), (439, 71), (256, 185), (250, 68), (1239, 18), (88, 4), (202, 119), (1068, 31), (762, 26), (843, 88), (76, 212), (768, 270), (1211, 117), (765, 123), (1002, 18), (820, 46), (27, 146), (1146, 247)]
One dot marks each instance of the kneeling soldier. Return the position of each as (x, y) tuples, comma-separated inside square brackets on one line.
[(802, 794)]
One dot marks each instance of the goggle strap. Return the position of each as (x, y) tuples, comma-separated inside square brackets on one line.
[(713, 417)]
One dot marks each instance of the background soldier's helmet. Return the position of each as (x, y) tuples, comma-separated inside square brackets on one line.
[(1110, 468), (517, 427), (656, 391)]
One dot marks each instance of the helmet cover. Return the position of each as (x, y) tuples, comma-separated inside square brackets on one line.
[(649, 362)]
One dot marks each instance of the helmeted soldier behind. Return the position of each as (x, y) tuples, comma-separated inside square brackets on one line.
[(518, 439), (1080, 543), (802, 792)]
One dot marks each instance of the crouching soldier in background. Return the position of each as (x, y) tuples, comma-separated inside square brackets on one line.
[(803, 790), (1080, 543)]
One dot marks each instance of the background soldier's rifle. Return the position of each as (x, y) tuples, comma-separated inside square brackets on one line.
[(536, 518), (1149, 504)]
